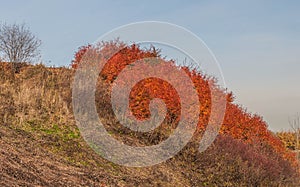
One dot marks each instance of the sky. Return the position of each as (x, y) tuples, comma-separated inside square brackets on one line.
[(257, 43)]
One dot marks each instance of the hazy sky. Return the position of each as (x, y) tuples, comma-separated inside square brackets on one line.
[(257, 43)]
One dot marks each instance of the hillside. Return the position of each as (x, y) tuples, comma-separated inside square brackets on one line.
[(41, 144)]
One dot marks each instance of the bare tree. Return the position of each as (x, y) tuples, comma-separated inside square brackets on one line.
[(18, 44), (295, 125)]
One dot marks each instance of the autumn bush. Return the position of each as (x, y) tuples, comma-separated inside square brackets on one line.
[(250, 129), (231, 162), (289, 139)]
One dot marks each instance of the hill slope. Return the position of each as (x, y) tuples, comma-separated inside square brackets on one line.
[(41, 145)]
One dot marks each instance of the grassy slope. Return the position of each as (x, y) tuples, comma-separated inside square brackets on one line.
[(41, 145)]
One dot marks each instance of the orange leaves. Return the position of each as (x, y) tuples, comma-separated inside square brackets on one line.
[(151, 88), (289, 139)]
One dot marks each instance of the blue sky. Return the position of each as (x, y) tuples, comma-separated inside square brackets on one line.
[(257, 43)]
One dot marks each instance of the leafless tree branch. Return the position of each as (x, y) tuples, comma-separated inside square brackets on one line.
[(18, 44), (295, 125)]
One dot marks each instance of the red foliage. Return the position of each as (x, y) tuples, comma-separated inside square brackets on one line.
[(78, 55), (237, 123)]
